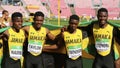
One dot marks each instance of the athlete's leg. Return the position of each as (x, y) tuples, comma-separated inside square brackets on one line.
[(109, 61), (69, 63), (10, 63), (73, 63), (97, 63), (28, 62), (39, 65), (59, 60), (7, 63), (78, 63), (48, 60), (17, 64)]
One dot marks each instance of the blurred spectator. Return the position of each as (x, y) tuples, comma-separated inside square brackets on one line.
[(4, 20)]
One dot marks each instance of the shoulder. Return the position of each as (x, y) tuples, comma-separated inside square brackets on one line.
[(26, 28), (46, 29), (79, 30)]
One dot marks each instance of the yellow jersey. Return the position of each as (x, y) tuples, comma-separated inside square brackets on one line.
[(36, 39), (103, 39), (73, 44)]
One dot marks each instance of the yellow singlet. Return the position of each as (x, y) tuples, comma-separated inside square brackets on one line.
[(36, 39), (73, 44), (15, 43), (103, 39)]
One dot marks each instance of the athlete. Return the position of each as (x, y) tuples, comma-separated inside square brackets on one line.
[(37, 36), (13, 41), (71, 38), (103, 35)]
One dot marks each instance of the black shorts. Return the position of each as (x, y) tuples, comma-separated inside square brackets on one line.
[(59, 60), (48, 60), (43, 60), (73, 63), (104, 61), (8, 62)]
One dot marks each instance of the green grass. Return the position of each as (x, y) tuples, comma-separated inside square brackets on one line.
[(115, 21), (55, 21), (65, 22)]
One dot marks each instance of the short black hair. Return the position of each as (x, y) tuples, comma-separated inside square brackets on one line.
[(4, 11), (76, 17), (16, 14), (38, 13), (102, 10)]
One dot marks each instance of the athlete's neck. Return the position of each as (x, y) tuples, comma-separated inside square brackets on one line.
[(34, 26), (71, 30), (15, 29), (102, 25)]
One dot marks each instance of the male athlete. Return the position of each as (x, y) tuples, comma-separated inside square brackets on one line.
[(71, 38), (13, 40), (103, 35), (37, 35)]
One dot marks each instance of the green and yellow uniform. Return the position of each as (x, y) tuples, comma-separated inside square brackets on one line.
[(103, 39), (73, 43), (36, 40), (13, 49), (104, 45)]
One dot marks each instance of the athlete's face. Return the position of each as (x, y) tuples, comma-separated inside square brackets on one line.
[(17, 22), (102, 18), (73, 24), (38, 21)]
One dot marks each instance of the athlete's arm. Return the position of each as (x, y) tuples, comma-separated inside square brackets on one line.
[(4, 34), (49, 47), (26, 30), (57, 43), (60, 40), (116, 33), (117, 63), (49, 35)]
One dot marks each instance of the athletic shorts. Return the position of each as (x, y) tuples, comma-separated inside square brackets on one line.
[(43, 60), (59, 60), (8, 62), (104, 61), (73, 63)]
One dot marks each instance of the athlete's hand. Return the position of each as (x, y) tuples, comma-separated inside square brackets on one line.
[(64, 29), (117, 63)]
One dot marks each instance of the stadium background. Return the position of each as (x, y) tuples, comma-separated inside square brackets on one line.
[(57, 12)]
